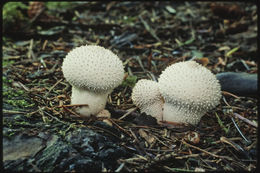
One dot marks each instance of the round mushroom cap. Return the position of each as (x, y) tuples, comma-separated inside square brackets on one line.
[(147, 97), (93, 68), (190, 85), (145, 92)]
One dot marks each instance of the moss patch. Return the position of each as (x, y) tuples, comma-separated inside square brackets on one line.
[(14, 96)]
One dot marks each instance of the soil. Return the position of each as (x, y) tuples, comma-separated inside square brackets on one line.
[(39, 133)]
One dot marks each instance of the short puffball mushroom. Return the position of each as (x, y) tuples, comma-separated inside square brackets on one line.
[(189, 91), (147, 98), (93, 72)]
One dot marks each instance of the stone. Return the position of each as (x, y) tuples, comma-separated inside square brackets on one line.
[(239, 83), (20, 146)]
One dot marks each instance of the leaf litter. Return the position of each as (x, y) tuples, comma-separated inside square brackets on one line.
[(154, 36)]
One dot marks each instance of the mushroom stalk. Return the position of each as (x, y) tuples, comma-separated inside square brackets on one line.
[(181, 114), (96, 102)]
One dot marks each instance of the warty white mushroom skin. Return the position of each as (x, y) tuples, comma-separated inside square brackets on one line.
[(189, 91), (93, 72), (147, 97)]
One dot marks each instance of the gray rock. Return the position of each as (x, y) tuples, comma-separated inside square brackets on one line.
[(21, 146), (241, 84), (81, 149)]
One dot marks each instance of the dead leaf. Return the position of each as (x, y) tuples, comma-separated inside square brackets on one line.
[(150, 139), (192, 137), (202, 61), (227, 11)]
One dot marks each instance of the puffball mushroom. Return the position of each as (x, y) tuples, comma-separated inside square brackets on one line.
[(93, 72), (189, 91), (147, 97)]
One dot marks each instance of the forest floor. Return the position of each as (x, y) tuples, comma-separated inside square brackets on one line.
[(148, 37)]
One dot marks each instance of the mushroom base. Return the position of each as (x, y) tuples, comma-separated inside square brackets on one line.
[(155, 110), (96, 102), (176, 113)]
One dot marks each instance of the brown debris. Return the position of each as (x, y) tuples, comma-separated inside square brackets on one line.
[(227, 11), (215, 144), (35, 9)]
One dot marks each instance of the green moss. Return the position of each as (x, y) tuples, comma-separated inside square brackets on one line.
[(129, 20), (63, 133), (6, 62), (14, 125), (12, 12), (130, 81), (9, 133), (5, 80), (20, 103), (59, 5), (15, 97)]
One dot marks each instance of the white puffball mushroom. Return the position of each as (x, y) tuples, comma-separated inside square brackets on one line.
[(189, 91), (93, 72), (147, 97)]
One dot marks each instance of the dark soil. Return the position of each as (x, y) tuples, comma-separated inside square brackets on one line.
[(39, 133)]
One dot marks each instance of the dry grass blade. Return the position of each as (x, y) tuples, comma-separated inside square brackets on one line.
[(149, 29), (230, 94), (72, 112), (74, 105), (239, 130), (13, 112), (234, 145), (118, 126), (204, 151), (254, 124), (51, 88), (128, 113)]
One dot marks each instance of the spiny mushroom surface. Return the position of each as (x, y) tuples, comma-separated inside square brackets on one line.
[(147, 97), (189, 91), (93, 72)]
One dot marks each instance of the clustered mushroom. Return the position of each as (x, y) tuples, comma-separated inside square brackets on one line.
[(188, 89), (147, 97), (93, 72), (185, 91)]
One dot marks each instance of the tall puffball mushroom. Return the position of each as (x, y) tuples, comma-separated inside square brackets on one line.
[(93, 72), (147, 97), (189, 91)]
